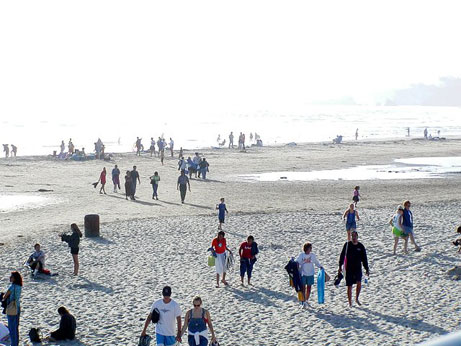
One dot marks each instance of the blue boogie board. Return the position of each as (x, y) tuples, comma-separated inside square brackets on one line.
[(321, 286)]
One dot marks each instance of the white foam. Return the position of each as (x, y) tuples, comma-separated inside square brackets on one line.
[(11, 203)]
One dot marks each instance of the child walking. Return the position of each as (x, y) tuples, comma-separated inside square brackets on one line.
[(306, 261), (397, 229), (221, 213), (356, 197)]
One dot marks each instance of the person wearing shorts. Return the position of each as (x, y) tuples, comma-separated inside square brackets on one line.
[(350, 215), (306, 261), (353, 256), (397, 229), (408, 224), (170, 312)]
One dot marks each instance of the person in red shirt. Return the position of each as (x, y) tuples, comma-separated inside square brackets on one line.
[(219, 245), (102, 179), (247, 252)]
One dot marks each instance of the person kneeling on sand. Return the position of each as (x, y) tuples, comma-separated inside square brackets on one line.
[(67, 326), (306, 261), (353, 256), (169, 312), (196, 322), (36, 261), (397, 229), (247, 251), (219, 245), (407, 224)]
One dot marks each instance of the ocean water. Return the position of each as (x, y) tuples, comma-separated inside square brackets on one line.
[(36, 136), (401, 169), (21, 202)]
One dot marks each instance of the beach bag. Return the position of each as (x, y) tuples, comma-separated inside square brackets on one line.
[(155, 316), (145, 340), (12, 308), (34, 336), (211, 261)]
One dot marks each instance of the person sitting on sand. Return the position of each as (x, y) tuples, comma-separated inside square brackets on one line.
[(36, 261), (353, 256), (128, 185), (306, 261), (408, 224), (196, 321), (356, 196), (170, 312), (396, 223), (350, 215), (73, 240), (219, 245), (247, 252), (67, 326)]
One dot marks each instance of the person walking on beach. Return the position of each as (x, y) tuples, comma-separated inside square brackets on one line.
[(138, 146), (128, 186), (154, 181), (171, 146), (183, 183), (306, 261), (102, 179), (134, 180), (12, 297), (353, 256), (219, 245), (170, 313), (231, 140), (6, 149), (356, 134), (152, 146), (63, 147), (73, 240), (408, 224), (196, 321), (222, 211), (356, 196), (14, 150), (247, 252), (350, 215), (181, 153), (397, 229), (204, 168), (116, 178), (162, 156)]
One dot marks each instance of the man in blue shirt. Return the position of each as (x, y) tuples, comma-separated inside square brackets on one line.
[(183, 183)]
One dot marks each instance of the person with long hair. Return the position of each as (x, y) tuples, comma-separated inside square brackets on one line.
[(102, 179), (350, 215), (74, 241), (196, 321), (67, 326), (12, 298)]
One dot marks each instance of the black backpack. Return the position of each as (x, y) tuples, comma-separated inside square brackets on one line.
[(34, 336), (155, 316)]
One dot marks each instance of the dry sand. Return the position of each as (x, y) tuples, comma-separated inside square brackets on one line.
[(147, 244)]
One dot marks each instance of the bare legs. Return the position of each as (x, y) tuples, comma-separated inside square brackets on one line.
[(223, 280), (357, 293), (76, 264)]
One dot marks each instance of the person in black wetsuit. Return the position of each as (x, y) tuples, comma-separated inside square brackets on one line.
[(356, 256), (67, 326)]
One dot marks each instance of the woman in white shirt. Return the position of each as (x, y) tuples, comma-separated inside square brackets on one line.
[(306, 261)]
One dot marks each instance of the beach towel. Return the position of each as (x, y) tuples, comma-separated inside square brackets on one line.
[(293, 273), (229, 261)]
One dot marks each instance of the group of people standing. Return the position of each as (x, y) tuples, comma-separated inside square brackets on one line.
[(197, 165), (241, 140)]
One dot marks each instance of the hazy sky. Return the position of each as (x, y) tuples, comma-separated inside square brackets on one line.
[(86, 59)]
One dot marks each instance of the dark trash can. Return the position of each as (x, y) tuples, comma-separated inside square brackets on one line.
[(91, 225)]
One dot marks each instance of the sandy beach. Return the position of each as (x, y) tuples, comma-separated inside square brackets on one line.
[(148, 243)]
